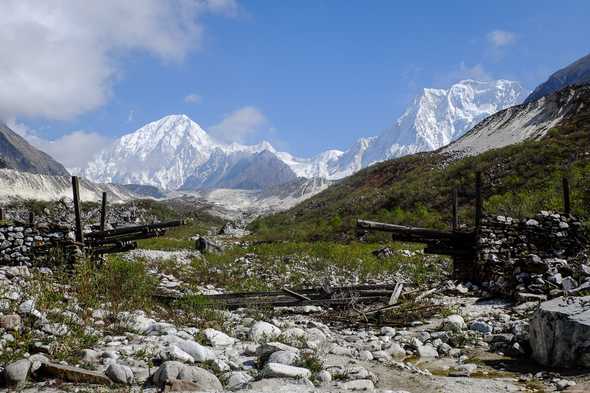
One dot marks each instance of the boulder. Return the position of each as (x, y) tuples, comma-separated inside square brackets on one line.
[(277, 370), (197, 351), (217, 338), (454, 322), (284, 357), (16, 373), (237, 380), (263, 331), (560, 332), (198, 378), (120, 374)]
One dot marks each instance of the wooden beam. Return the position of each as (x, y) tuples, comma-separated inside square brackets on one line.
[(103, 211), (396, 294), (295, 294), (136, 228), (478, 200), (455, 201), (413, 234), (566, 195), (78, 216)]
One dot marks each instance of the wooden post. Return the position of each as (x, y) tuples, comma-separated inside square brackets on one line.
[(478, 200), (566, 196), (76, 192), (103, 211), (455, 209), (2, 218), (31, 218)]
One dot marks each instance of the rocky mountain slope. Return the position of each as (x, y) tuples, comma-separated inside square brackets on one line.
[(175, 152), (522, 178), (17, 153), (577, 73), (16, 185), (529, 121)]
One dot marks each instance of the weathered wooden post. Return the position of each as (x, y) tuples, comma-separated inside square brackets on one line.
[(2, 218), (455, 201), (103, 211), (31, 218), (478, 201), (566, 195), (76, 191)]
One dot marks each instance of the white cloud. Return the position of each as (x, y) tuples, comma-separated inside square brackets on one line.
[(59, 58), (72, 150), (500, 38), (193, 98), (239, 124)]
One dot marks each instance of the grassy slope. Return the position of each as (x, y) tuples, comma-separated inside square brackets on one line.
[(519, 180)]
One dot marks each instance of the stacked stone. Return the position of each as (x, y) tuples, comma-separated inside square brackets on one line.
[(541, 257), (21, 244)]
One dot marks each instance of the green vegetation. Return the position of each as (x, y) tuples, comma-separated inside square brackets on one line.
[(519, 180), (125, 285), (297, 264), (179, 238)]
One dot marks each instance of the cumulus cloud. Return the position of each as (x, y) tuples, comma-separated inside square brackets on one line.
[(501, 38), (72, 150), (193, 98), (59, 58), (239, 125)]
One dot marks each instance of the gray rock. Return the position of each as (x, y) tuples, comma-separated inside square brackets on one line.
[(120, 374), (217, 338), (324, 376), (277, 370), (559, 332), (284, 357), (172, 371), (263, 331), (16, 373), (197, 351), (454, 323), (237, 380), (427, 351), (481, 327)]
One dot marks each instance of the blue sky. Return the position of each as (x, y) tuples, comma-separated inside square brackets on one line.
[(314, 74)]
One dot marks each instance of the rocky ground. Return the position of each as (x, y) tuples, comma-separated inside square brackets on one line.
[(57, 334)]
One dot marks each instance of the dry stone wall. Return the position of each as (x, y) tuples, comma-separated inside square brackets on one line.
[(540, 257), (21, 244)]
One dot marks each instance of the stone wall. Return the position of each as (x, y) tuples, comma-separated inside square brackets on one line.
[(22, 244), (531, 258)]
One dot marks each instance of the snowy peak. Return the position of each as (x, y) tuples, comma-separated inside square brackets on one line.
[(176, 152), (435, 118)]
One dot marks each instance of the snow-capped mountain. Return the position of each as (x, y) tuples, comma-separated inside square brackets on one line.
[(175, 152), (165, 153), (434, 119)]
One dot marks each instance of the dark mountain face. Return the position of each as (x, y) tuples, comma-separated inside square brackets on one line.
[(16, 153), (242, 171), (577, 73)]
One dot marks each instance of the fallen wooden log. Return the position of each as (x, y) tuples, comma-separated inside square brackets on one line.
[(414, 234)]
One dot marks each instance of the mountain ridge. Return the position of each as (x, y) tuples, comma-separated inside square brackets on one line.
[(18, 154), (175, 152)]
